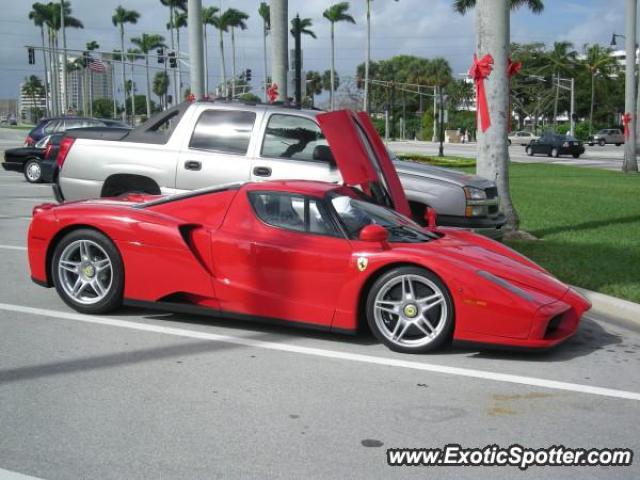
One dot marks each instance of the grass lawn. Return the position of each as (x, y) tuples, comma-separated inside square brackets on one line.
[(588, 223), (18, 127), (453, 162)]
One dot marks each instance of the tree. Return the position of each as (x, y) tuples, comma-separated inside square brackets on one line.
[(335, 13), (299, 27), (34, 89), (39, 16), (119, 18), (179, 21), (146, 43), (161, 86), (562, 59), (330, 82), (208, 14), (91, 46), (492, 37), (174, 5), (220, 21), (102, 108), (234, 19), (597, 61), (265, 12), (314, 85)]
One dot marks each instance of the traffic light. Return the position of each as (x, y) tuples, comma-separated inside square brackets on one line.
[(247, 75), (172, 60), (32, 56), (160, 53)]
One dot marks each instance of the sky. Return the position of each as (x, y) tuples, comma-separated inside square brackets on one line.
[(426, 28)]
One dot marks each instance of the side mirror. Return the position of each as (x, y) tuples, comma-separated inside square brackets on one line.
[(431, 217), (376, 234), (322, 153)]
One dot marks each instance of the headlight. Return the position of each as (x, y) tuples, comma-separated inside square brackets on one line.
[(472, 193)]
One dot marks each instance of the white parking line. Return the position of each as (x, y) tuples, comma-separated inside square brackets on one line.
[(9, 475), (337, 355), (13, 247)]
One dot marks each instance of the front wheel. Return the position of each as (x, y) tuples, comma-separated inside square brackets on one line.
[(33, 171), (555, 153), (409, 309), (576, 155), (601, 143), (529, 151), (87, 272)]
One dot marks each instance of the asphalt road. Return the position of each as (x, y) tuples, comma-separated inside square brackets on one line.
[(143, 394), (608, 157)]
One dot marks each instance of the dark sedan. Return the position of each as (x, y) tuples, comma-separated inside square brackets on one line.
[(37, 163), (555, 145), (48, 126)]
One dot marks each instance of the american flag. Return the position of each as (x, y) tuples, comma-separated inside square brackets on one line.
[(96, 65)]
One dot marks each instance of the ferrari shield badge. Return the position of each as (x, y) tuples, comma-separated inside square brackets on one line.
[(362, 263)]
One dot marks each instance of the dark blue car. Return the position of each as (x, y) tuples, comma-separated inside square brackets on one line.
[(48, 126)]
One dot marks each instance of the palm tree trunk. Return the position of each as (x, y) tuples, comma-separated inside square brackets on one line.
[(179, 99), (593, 98), (46, 73), (133, 97), (233, 63), (333, 63), (54, 76), (365, 106), (264, 52), (222, 66), (206, 63), (148, 86), (124, 74), (176, 88), (492, 36)]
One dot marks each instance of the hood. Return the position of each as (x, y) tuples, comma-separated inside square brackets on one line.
[(448, 175), (360, 155)]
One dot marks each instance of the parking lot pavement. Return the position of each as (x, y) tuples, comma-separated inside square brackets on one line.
[(143, 394), (608, 157)]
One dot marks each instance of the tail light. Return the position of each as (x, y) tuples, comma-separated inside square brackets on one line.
[(29, 141), (565, 144), (47, 151), (65, 146)]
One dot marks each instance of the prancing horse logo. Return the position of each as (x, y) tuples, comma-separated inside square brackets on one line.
[(362, 263)]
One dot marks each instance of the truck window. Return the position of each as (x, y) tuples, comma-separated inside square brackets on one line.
[(226, 131), (291, 137)]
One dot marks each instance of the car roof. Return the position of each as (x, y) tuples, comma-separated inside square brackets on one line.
[(302, 187)]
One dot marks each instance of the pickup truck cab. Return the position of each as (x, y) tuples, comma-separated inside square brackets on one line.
[(196, 145)]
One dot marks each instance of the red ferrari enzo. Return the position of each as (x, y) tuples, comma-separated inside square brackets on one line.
[(316, 254)]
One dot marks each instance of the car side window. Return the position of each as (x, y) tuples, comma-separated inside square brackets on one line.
[(227, 131), (293, 212), (292, 137)]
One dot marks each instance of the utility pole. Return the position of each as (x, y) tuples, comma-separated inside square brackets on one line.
[(196, 55), (441, 122), (64, 60), (630, 163), (572, 131), (279, 46), (435, 115)]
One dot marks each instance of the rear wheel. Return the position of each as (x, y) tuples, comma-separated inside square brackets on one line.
[(33, 171), (529, 151), (409, 309), (87, 272), (576, 155), (601, 142), (555, 153)]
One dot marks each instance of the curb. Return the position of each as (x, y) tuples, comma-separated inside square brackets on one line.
[(613, 310)]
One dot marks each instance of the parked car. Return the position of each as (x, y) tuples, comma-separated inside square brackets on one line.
[(607, 135), (521, 138), (47, 126), (26, 160), (555, 145), (201, 144), (308, 253)]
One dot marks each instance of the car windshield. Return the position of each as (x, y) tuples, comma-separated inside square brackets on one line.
[(357, 214)]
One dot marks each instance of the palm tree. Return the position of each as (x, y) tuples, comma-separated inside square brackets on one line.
[(39, 17), (91, 46), (221, 23), (208, 14), (598, 61), (146, 43), (562, 60), (367, 58), (335, 13), (314, 85), (161, 86), (173, 6), (493, 35), (265, 12), (234, 19), (133, 54), (119, 18), (179, 21), (299, 27), (33, 88)]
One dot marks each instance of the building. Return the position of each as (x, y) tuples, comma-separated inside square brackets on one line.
[(31, 107)]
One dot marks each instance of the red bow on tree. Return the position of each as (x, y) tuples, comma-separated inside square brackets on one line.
[(272, 92), (191, 98), (626, 120), (513, 67), (480, 70)]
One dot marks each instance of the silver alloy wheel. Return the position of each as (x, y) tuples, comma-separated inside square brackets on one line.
[(34, 171), (85, 272), (410, 310)]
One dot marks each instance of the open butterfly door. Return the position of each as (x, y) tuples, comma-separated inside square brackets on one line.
[(361, 156)]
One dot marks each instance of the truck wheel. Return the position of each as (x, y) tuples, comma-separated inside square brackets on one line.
[(33, 171), (618, 144)]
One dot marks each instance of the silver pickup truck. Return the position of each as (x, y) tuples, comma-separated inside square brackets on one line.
[(206, 143)]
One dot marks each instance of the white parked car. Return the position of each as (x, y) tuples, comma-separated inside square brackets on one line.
[(522, 138)]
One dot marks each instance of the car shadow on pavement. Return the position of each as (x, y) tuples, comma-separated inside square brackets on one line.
[(591, 337)]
